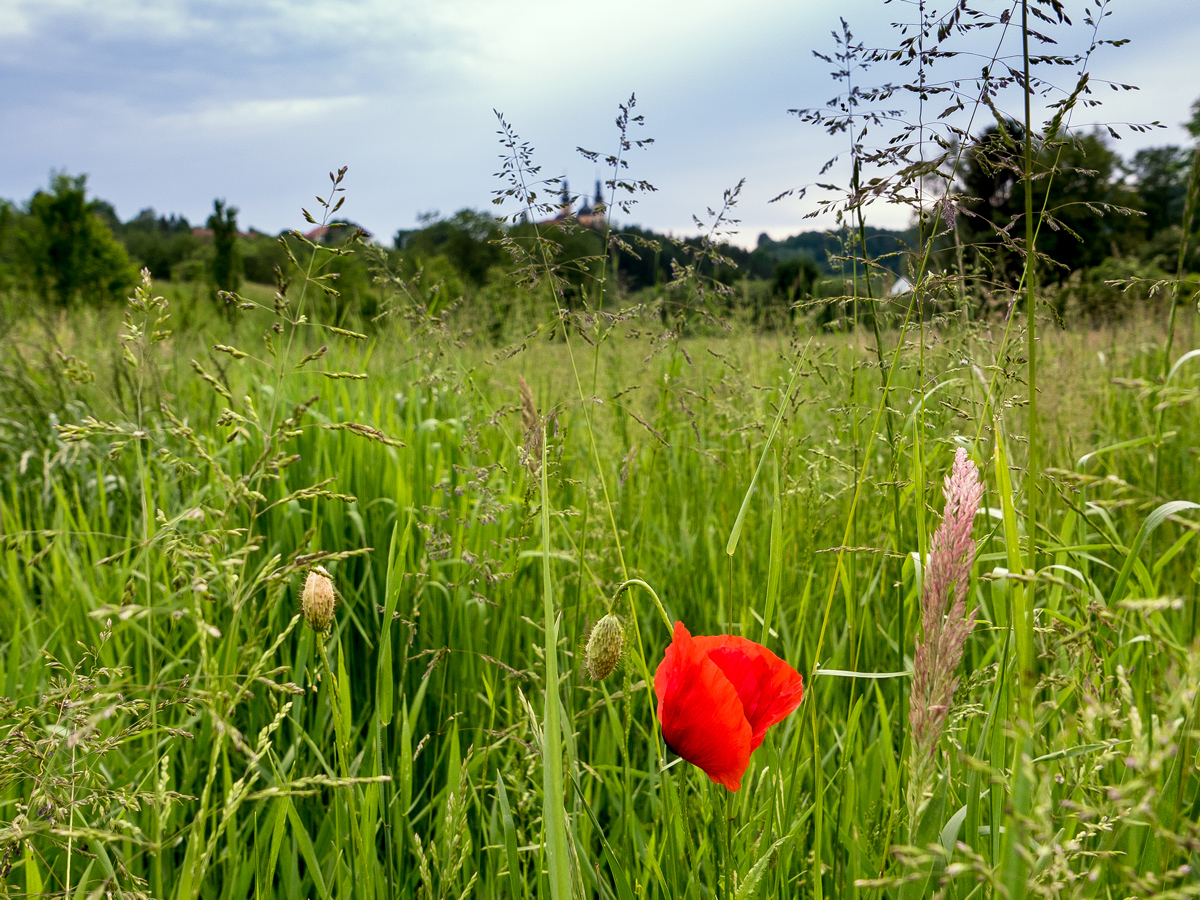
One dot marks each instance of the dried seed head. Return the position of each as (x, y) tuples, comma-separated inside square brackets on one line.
[(603, 652), (318, 600), (532, 450)]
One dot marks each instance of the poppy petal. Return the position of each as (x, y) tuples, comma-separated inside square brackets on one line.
[(700, 713), (768, 687)]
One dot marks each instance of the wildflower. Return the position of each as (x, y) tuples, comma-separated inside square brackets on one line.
[(603, 651), (717, 696), (940, 650), (318, 600)]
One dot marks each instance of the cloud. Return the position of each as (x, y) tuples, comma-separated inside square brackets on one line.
[(247, 117), (172, 103)]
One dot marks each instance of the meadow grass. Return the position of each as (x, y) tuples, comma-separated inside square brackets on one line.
[(171, 728), (184, 718)]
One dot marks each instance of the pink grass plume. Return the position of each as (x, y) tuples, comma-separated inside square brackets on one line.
[(939, 650)]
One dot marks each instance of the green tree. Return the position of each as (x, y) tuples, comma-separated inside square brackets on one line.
[(1087, 216), (794, 278), (468, 239), (261, 256), (225, 268), (7, 229), (1160, 177), (157, 242), (66, 248)]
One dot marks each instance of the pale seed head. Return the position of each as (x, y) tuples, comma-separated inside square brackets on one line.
[(603, 652), (318, 600), (531, 452)]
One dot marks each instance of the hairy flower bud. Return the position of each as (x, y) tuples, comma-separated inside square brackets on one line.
[(318, 600), (603, 652)]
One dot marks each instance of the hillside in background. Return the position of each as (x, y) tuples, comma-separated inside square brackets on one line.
[(828, 249), (1113, 219)]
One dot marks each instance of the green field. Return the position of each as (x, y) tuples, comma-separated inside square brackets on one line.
[(172, 728), (374, 583)]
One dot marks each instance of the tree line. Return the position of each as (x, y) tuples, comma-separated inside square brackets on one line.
[(1106, 216)]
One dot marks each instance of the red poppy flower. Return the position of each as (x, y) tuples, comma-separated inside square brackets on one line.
[(717, 696)]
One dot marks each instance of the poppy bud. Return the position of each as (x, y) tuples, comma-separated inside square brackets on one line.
[(603, 651), (318, 600)]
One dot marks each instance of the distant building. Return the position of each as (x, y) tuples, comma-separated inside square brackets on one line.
[(322, 234), (589, 215), (204, 235), (334, 232)]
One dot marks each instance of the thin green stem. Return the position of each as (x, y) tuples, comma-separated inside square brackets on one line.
[(1031, 340), (553, 796), (1189, 213), (728, 856)]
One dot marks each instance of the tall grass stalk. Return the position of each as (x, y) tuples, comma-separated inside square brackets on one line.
[(1032, 492), (554, 795)]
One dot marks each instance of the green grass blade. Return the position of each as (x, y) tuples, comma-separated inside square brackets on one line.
[(775, 570), (1070, 752), (1022, 619), (624, 891), (1156, 518), (1113, 448), (277, 829), (736, 532), (510, 841), (553, 794), (749, 885), (385, 689), (300, 834)]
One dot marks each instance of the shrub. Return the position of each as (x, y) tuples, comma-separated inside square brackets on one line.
[(225, 266), (1093, 296), (260, 256), (158, 243), (67, 250)]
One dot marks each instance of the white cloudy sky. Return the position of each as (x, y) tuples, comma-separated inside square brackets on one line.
[(170, 103)]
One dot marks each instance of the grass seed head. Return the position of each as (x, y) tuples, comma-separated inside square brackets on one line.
[(532, 423), (318, 600), (603, 652)]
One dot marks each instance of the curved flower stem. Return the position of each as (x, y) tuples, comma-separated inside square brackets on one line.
[(659, 748), (658, 603), (641, 651)]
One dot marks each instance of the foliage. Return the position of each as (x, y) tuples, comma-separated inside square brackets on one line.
[(1088, 211), (8, 257), (225, 266), (158, 243), (1160, 179), (795, 278), (830, 250), (65, 249), (468, 240), (261, 256)]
